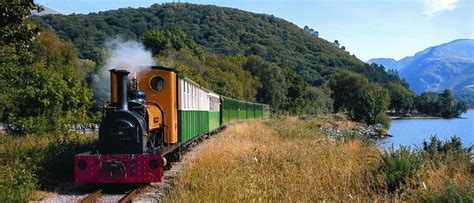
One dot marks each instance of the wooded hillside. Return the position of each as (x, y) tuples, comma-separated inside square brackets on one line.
[(220, 30)]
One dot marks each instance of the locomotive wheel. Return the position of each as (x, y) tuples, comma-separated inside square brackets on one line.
[(169, 162), (175, 156)]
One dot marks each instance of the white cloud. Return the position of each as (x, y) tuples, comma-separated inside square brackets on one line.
[(432, 7)]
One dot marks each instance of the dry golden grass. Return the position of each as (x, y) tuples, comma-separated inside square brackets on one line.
[(287, 159), (434, 179), (283, 160)]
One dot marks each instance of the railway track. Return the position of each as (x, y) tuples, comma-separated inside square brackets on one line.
[(127, 198), (93, 197)]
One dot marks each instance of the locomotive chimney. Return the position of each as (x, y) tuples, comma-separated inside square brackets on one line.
[(122, 80)]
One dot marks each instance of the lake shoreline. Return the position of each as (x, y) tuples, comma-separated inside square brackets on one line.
[(414, 130), (425, 116), (418, 117), (421, 117)]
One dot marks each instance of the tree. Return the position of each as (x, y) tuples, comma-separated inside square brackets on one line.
[(427, 103), (461, 108), (363, 101), (39, 81), (13, 26), (401, 99), (158, 41), (346, 89), (447, 103), (372, 102), (16, 35), (274, 88), (51, 51), (296, 88), (440, 104), (52, 85), (318, 100)]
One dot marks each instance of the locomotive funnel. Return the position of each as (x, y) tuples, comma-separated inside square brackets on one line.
[(122, 80)]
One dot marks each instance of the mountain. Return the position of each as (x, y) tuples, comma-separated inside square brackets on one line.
[(449, 65), (220, 30), (46, 11), (388, 63)]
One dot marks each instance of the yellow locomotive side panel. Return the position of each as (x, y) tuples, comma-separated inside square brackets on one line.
[(154, 116), (160, 89)]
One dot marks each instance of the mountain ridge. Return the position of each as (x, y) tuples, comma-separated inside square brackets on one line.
[(446, 66)]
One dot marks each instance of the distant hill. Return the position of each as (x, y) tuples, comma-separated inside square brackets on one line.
[(388, 63), (449, 65), (46, 11), (220, 30)]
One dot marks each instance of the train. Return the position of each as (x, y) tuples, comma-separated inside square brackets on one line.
[(151, 115)]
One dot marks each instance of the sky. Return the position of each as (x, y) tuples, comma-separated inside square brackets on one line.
[(367, 28)]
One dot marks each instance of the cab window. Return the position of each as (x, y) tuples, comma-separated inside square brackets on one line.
[(157, 83)]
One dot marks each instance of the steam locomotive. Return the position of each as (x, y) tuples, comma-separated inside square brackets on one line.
[(149, 117)]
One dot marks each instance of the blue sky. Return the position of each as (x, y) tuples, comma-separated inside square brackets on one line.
[(367, 28)]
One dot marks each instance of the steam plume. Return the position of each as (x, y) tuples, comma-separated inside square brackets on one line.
[(123, 55)]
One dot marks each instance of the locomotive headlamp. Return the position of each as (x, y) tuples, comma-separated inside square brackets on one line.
[(81, 164), (154, 164)]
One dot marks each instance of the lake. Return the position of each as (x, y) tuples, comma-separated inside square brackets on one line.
[(413, 131)]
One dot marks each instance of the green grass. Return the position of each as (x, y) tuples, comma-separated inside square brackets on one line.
[(398, 167), (31, 163)]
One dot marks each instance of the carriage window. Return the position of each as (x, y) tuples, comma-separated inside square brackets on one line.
[(157, 83)]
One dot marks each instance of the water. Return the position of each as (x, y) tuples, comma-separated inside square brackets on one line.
[(412, 132)]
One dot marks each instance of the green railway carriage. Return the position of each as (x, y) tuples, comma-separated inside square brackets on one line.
[(198, 109), (227, 110), (250, 110), (242, 109), (236, 110), (214, 111), (201, 110)]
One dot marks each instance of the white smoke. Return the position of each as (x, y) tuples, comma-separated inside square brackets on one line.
[(127, 55), (121, 55)]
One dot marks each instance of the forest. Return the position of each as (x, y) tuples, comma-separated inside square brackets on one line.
[(290, 68)]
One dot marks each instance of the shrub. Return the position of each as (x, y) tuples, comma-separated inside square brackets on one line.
[(36, 125), (398, 166), (451, 151), (17, 183), (38, 161), (384, 120), (451, 192), (58, 165)]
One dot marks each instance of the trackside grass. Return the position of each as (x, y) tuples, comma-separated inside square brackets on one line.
[(38, 162), (282, 159), (288, 159)]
